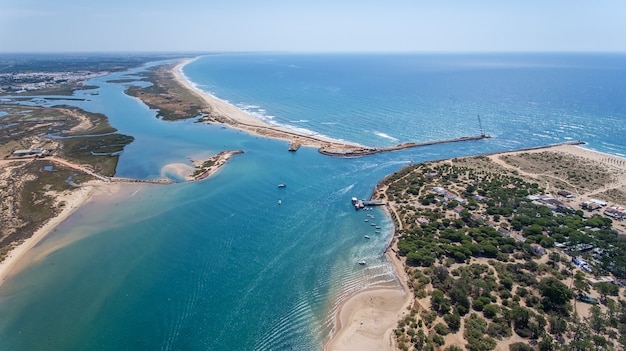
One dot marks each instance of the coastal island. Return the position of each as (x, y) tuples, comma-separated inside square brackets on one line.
[(207, 168)]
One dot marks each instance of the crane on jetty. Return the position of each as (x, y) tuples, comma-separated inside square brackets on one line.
[(482, 131), (362, 151)]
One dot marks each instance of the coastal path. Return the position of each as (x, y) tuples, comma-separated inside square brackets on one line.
[(89, 171)]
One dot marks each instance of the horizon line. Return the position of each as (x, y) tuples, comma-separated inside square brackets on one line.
[(206, 52)]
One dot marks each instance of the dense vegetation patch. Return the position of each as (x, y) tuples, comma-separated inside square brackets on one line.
[(481, 255)]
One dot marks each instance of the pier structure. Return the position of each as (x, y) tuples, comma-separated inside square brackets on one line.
[(356, 152), (148, 181), (294, 146), (360, 204)]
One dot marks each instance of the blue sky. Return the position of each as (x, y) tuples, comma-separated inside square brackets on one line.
[(314, 25)]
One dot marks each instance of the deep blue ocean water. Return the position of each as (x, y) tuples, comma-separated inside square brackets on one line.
[(218, 264)]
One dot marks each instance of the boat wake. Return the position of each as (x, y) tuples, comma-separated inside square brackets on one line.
[(345, 190), (385, 135)]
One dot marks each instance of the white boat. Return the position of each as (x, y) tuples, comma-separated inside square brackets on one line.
[(282, 185), (362, 263), (280, 202), (367, 237)]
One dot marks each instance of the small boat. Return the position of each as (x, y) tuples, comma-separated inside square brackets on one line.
[(367, 220), (280, 202), (362, 263), (282, 185), (367, 237)]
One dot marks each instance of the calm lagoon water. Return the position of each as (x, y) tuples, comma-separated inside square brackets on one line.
[(218, 264)]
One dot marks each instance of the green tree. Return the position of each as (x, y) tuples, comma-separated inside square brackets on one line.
[(597, 320), (490, 310), (534, 229), (606, 289), (507, 283), (438, 339), (453, 320), (520, 346), (580, 282), (546, 343), (480, 303), (556, 295), (439, 303), (422, 257), (557, 325), (442, 329), (475, 329)]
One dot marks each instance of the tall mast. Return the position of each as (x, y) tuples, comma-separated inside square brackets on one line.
[(482, 132)]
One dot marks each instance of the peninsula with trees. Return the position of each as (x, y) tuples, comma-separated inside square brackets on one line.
[(505, 252)]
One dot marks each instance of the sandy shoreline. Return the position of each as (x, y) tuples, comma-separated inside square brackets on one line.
[(18, 258), (366, 319), (219, 107), (236, 118), (73, 201)]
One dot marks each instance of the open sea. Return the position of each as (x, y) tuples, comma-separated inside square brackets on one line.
[(219, 264)]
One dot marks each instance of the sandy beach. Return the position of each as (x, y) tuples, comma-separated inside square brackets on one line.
[(225, 112), (73, 200), (365, 320), (219, 107), (95, 190)]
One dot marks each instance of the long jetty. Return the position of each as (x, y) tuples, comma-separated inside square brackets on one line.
[(357, 152), (132, 180)]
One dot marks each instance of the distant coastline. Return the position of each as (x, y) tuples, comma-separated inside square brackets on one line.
[(224, 112)]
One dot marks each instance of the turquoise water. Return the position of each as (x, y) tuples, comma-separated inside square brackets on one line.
[(218, 264)]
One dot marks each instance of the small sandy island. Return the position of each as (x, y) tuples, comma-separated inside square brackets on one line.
[(207, 168), (70, 200)]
